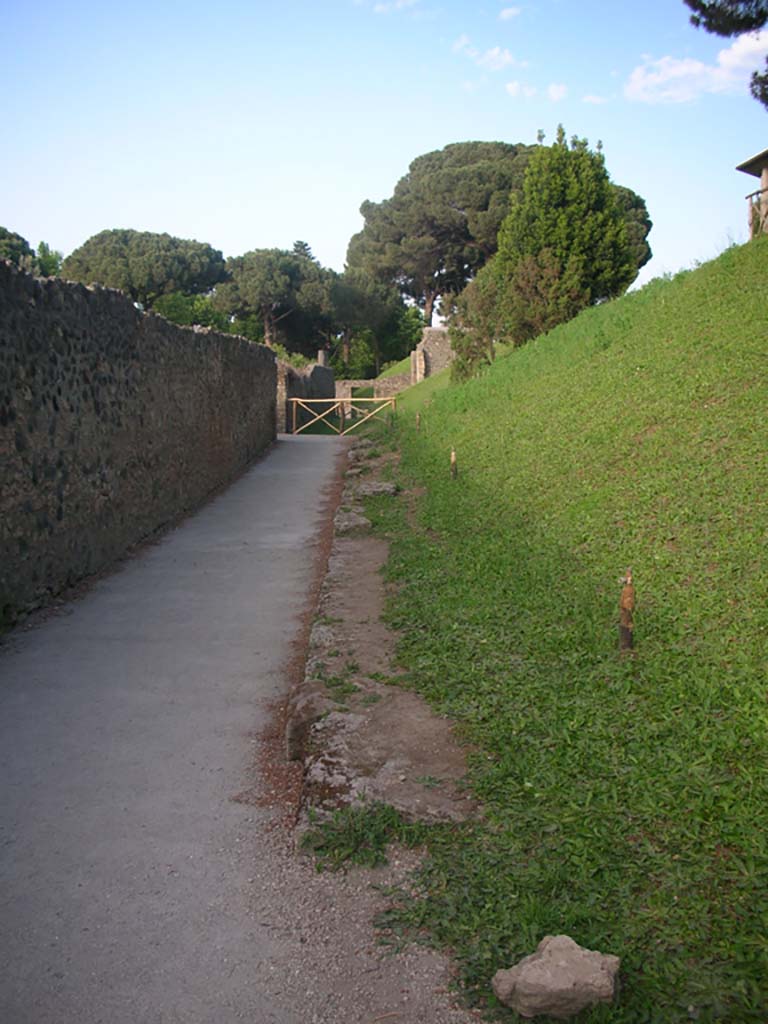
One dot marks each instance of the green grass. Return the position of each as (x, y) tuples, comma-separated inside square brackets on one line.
[(339, 686), (404, 366), (627, 799), (360, 835)]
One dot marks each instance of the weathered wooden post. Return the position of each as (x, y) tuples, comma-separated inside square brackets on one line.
[(341, 417), (454, 465), (626, 615), (293, 417), (418, 421)]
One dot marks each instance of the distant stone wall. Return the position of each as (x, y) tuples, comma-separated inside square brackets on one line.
[(112, 423), (315, 381), (344, 389), (385, 387), (432, 354)]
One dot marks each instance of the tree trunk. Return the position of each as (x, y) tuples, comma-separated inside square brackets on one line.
[(269, 329), (346, 342), (429, 304)]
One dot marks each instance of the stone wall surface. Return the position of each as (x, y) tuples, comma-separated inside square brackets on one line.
[(112, 424), (314, 381), (434, 353), (385, 387), (344, 389)]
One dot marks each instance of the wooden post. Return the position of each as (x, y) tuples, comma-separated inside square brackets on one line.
[(454, 465), (293, 414), (626, 613), (418, 421), (341, 418)]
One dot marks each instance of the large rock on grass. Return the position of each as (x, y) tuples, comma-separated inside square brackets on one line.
[(559, 980)]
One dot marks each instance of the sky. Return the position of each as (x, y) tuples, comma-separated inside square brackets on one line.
[(253, 123)]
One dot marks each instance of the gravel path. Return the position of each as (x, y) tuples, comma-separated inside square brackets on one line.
[(133, 887)]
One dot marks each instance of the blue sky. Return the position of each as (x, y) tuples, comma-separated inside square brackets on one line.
[(253, 124)]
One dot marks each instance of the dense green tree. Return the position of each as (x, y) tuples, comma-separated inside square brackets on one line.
[(571, 239), (303, 249), (191, 310), (262, 282), (638, 223), (145, 265), (48, 261), (289, 293), (440, 225), (364, 306), (473, 322), (733, 18), (16, 249), (356, 359), (569, 206)]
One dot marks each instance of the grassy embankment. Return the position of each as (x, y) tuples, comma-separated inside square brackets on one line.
[(627, 799)]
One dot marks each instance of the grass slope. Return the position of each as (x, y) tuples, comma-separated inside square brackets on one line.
[(627, 799)]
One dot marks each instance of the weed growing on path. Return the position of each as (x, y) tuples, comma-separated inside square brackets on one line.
[(360, 835)]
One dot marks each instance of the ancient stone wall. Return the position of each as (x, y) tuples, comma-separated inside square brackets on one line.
[(432, 354), (344, 389), (316, 381), (385, 387), (112, 423)]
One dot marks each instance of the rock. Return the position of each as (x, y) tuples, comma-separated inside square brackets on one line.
[(302, 715), (375, 488), (357, 455), (559, 980), (347, 523), (321, 636), (360, 444)]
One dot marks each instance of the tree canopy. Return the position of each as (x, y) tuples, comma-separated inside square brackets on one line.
[(571, 239), (16, 249), (303, 306), (440, 225), (733, 18), (145, 265), (273, 284), (46, 262), (569, 207)]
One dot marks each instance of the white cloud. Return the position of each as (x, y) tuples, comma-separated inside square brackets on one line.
[(496, 59), (394, 5), (464, 45), (516, 89), (509, 12), (676, 80), (591, 98), (557, 92)]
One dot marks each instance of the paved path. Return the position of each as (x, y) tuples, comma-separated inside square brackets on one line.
[(124, 733)]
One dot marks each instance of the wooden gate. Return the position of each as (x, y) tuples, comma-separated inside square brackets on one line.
[(351, 412)]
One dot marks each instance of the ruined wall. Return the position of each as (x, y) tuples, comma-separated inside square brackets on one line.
[(112, 423), (432, 354), (385, 387), (344, 389), (315, 381)]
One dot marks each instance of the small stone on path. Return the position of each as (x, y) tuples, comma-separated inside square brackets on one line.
[(346, 523), (376, 487)]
